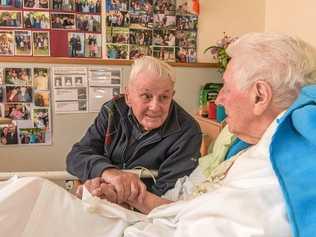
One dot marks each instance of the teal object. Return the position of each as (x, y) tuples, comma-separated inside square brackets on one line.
[(220, 113)]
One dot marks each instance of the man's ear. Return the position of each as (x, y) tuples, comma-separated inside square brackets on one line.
[(262, 96), (126, 96)]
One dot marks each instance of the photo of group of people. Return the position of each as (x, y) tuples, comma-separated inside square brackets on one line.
[(84, 45), (25, 104), (162, 28)]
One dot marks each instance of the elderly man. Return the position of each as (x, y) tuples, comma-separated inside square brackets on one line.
[(265, 183), (144, 129)]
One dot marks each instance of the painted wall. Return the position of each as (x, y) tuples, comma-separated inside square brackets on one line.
[(295, 17)]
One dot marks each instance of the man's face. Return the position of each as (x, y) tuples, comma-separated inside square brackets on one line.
[(238, 104), (149, 98)]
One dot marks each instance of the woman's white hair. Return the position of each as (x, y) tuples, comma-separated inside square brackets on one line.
[(285, 62), (152, 65)]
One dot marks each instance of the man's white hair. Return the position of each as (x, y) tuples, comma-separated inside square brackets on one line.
[(285, 62), (152, 65)]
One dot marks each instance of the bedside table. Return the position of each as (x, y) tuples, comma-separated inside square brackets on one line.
[(210, 129)]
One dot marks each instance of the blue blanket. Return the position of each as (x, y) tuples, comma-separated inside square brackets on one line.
[(293, 157)]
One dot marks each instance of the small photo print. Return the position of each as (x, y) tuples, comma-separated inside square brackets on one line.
[(92, 6), (164, 38), (23, 43), (13, 4), (185, 7), (117, 19), (89, 23), (36, 20), (57, 82), (93, 45), (41, 98), (187, 22), (144, 6), (11, 19), (41, 43), (79, 81), (63, 21), (116, 5), (165, 7), (1, 95), (140, 37), (117, 51), (64, 5), (67, 82), (75, 44), (82, 93), (141, 21), (6, 43), (40, 78), (117, 35), (40, 118), (186, 55), (137, 51), (186, 39), (32, 135), (82, 105), (8, 134), (164, 21), (36, 4), (164, 53), (18, 76), (1, 110), (19, 94), (18, 111)]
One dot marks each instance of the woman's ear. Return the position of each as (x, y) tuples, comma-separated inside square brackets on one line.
[(262, 93), (126, 96)]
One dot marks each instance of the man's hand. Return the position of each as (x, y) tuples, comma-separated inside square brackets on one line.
[(127, 186)]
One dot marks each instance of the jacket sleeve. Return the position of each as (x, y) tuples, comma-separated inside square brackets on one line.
[(87, 158), (181, 159)]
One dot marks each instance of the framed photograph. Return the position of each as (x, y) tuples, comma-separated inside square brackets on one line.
[(117, 35), (186, 55), (23, 43), (75, 44), (11, 19), (36, 20), (6, 43), (32, 135), (144, 6), (63, 21), (18, 111), (11, 4), (41, 98), (63, 5), (137, 51), (89, 23), (186, 39), (117, 51), (19, 94), (8, 134), (165, 7), (40, 78), (140, 37), (141, 21), (41, 43), (164, 53), (36, 4), (164, 21), (116, 5), (164, 38), (18, 76), (187, 23), (117, 19), (93, 45), (40, 118), (88, 6)]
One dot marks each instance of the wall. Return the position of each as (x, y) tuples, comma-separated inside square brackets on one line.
[(295, 17)]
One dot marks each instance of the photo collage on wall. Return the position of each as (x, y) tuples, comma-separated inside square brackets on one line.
[(25, 106), (165, 29), (65, 28)]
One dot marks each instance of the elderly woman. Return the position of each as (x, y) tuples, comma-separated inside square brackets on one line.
[(146, 128), (263, 187)]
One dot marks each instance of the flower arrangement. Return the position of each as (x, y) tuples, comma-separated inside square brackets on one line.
[(219, 51)]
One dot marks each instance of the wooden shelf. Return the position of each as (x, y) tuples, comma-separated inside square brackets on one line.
[(210, 129), (94, 61)]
